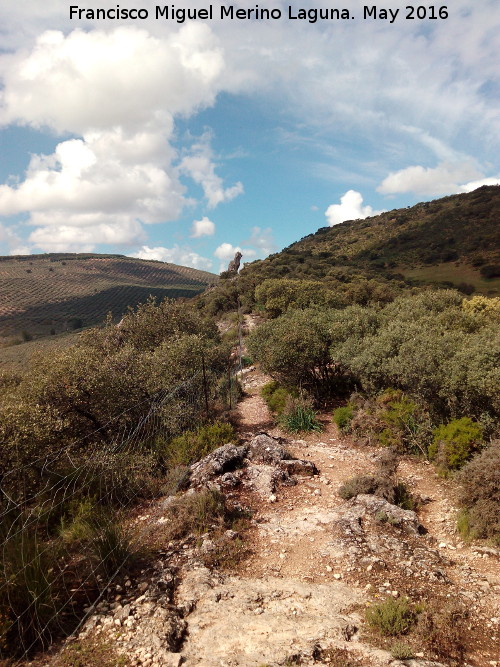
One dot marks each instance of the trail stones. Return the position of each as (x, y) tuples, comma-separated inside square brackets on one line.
[(262, 464)]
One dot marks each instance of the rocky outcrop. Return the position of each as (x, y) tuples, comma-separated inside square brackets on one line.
[(224, 459), (262, 465), (234, 264)]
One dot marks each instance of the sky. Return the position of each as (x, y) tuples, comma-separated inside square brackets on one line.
[(187, 141)]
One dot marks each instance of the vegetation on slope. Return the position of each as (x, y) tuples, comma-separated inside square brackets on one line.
[(103, 424), (43, 294)]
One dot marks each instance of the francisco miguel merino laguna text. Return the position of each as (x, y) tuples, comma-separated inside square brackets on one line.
[(312, 15)]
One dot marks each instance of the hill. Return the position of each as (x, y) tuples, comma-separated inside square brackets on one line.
[(52, 293), (450, 241)]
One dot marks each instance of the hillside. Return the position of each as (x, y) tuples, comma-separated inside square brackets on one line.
[(52, 293), (453, 240)]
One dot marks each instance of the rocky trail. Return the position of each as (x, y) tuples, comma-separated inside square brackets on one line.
[(316, 561)]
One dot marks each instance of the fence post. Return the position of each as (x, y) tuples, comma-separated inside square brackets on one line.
[(229, 383)]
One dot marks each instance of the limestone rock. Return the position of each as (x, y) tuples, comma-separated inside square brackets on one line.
[(267, 450), (224, 459)]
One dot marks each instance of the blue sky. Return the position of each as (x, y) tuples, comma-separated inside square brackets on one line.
[(185, 142)]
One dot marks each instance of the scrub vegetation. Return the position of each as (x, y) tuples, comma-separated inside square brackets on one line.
[(91, 430)]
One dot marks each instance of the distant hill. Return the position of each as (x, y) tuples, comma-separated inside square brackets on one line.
[(52, 293), (450, 241)]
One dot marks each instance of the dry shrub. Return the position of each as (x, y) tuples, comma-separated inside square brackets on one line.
[(197, 513), (229, 550), (442, 630), (339, 657), (91, 652), (480, 494), (382, 484)]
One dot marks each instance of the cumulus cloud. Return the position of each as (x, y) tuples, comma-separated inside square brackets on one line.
[(119, 91), (433, 181), (226, 251), (176, 255), (350, 208), (447, 178), (96, 80), (200, 167), (203, 227), (474, 185)]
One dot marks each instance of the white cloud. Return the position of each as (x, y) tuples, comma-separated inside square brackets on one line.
[(85, 232), (11, 243), (350, 208), (432, 181), (176, 255), (473, 185), (200, 167), (119, 91), (263, 240), (203, 227), (447, 178), (227, 251), (96, 80)]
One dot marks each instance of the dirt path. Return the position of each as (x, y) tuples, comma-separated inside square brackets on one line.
[(316, 562), (295, 541)]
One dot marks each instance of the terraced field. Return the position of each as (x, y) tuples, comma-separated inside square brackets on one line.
[(43, 294)]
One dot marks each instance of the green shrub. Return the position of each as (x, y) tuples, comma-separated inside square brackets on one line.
[(480, 495), (343, 416), (299, 416), (407, 425), (75, 523), (455, 443), (275, 396), (111, 546), (392, 617), (192, 446), (402, 651)]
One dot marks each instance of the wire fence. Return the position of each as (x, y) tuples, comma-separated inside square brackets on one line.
[(61, 515)]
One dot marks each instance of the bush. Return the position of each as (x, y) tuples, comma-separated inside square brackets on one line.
[(192, 446), (490, 271), (28, 593), (480, 495), (275, 396), (392, 617), (299, 415), (111, 546), (402, 651), (343, 416), (407, 425), (383, 487), (197, 513), (382, 484), (455, 443), (294, 349), (442, 630)]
